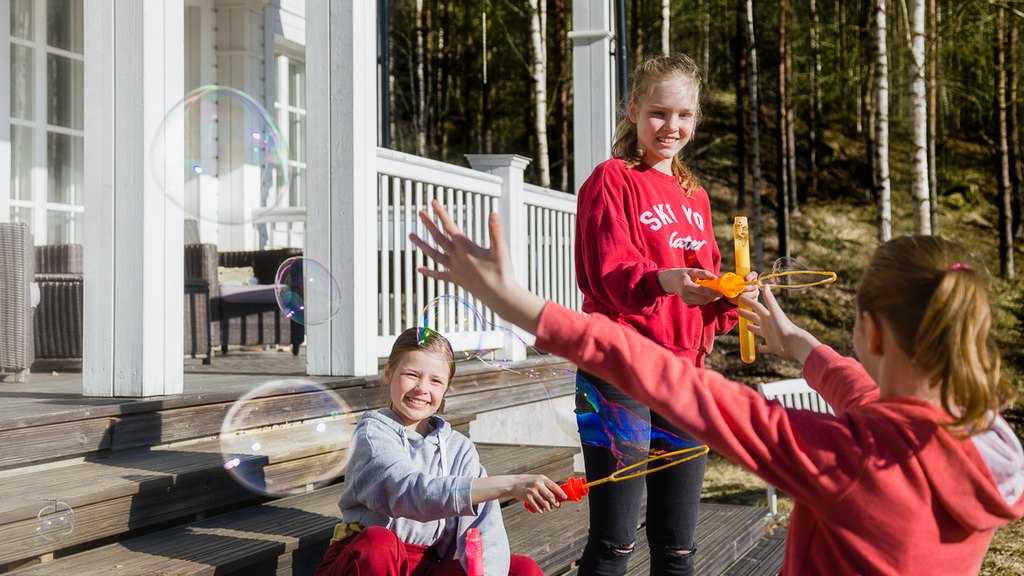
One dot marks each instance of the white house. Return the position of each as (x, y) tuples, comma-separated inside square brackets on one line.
[(91, 85)]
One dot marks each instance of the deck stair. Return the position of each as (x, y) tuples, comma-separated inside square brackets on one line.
[(151, 496)]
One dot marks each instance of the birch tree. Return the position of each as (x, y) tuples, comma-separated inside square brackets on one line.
[(666, 16), (1003, 161), (881, 122), (421, 83), (755, 136), (919, 103), (932, 85), (784, 184), (540, 95)]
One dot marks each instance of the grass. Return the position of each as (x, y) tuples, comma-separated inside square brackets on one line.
[(837, 232)]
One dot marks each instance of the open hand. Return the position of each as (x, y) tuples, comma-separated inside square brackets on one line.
[(781, 336), (486, 273)]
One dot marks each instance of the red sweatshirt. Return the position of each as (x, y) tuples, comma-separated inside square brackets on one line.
[(880, 487), (631, 224)]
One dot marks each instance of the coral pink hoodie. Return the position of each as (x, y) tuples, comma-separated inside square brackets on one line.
[(880, 488)]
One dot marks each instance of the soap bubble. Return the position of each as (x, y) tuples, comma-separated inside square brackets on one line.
[(55, 521), (306, 292), (226, 134), (471, 336), (286, 437)]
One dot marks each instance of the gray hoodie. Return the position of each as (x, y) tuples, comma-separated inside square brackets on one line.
[(419, 488)]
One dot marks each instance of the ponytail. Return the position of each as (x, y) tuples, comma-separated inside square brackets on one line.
[(937, 303)]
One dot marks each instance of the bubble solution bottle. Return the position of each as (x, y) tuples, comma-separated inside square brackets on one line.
[(474, 553)]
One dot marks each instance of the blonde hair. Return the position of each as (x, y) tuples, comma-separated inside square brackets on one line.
[(645, 79), (936, 300), (417, 339)]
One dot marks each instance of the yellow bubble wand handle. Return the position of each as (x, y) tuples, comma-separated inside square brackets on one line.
[(741, 241)]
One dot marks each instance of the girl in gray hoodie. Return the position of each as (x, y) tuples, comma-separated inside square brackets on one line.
[(414, 486)]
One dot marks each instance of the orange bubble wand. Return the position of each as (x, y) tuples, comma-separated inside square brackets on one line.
[(731, 285), (576, 488)]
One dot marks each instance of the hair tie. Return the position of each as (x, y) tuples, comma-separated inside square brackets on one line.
[(959, 266)]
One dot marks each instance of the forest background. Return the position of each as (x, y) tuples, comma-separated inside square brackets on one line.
[(832, 124)]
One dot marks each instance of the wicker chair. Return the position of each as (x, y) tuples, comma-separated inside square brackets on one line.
[(16, 351), (59, 318), (243, 323), (58, 323)]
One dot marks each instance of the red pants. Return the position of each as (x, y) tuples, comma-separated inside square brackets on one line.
[(377, 551)]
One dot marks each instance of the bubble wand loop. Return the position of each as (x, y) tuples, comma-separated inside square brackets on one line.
[(741, 243), (731, 285), (576, 488)]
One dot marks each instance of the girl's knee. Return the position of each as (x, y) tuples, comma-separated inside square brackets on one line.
[(523, 566)]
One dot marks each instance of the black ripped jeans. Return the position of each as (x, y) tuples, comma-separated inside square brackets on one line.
[(673, 500)]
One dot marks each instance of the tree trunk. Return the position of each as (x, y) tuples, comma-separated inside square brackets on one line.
[(704, 9), (666, 19), (638, 32), (1013, 127), (1005, 205), (919, 103), (881, 105), (421, 83), (540, 96), (742, 93), (755, 136), (815, 120), (932, 56), (794, 204), (561, 72), (783, 186)]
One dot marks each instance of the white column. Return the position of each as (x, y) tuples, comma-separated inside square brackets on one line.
[(5, 111), (133, 232), (241, 64), (593, 96), (512, 208), (341, 213)]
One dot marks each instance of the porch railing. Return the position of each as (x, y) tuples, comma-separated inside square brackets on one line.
[(540, 230)]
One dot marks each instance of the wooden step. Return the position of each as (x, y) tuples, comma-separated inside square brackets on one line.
[(724, 534), (131, 490), (763, 559), (286, 534)]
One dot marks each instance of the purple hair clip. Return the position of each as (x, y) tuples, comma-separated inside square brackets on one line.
[(959, 266)]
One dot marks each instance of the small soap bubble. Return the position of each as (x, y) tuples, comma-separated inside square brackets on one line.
[(223, 132), (306, 292), (55, 521), (470, 335), (286, 437)]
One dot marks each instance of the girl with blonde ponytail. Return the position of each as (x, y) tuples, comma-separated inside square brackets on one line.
[(914, 472)]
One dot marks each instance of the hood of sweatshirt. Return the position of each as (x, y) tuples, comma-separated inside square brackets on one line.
[(979, 482)]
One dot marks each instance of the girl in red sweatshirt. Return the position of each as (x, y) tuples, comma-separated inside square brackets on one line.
[(914, 472), (643, 235)]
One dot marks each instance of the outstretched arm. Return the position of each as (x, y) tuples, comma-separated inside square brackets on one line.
[(793, 450)]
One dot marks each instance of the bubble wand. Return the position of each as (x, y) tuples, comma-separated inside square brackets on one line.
[(576, 488), (741, 243), (731, 285)]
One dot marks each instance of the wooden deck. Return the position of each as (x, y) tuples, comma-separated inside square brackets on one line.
[(150, 495)]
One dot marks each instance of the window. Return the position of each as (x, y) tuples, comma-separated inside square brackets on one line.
[(46, 118), (287, 226)]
